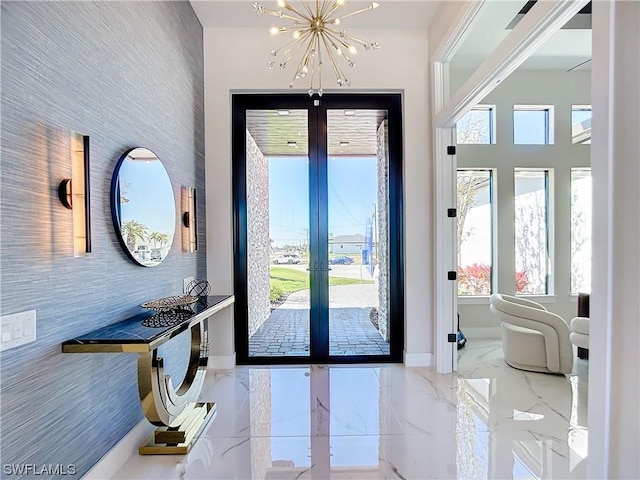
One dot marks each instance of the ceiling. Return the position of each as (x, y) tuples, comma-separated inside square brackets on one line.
[(286, 135), (565, 49), (391, 14)]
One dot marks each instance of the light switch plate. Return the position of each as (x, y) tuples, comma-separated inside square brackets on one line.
[(18, 329)]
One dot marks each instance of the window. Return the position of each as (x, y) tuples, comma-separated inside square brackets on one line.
[(581, 124), (475, 232), (477, 126), (533, 124), (532, 231), (580, 230)]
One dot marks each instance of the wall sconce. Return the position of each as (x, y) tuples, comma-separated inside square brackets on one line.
[(74, 194), (189, 220)]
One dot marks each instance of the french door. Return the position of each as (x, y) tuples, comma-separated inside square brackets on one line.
[(317, 187)]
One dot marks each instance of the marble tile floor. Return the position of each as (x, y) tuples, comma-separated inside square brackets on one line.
[(488, 421)]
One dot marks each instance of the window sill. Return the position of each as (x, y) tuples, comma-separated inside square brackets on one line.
[(469, 300), (484, 300), (540, 298)]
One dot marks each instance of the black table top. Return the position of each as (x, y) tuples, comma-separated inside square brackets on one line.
[(147, 330)]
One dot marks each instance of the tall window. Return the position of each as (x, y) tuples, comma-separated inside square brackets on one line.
[(533, 124), (477, 126), (581, 124), (580, 230), (475, 232), (532, 231)]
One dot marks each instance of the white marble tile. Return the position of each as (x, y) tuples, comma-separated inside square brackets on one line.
[(386, 422), (490, 455)]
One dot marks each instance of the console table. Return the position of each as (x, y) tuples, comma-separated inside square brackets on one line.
[(179, 416)]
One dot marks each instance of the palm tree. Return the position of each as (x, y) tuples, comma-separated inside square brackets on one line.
[(163, 238), (158, 238), (133, 230)]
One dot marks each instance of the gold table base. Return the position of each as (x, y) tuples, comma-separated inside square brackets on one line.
[(178, 440)]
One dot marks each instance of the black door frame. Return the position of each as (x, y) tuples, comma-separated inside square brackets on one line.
[(319, 331)]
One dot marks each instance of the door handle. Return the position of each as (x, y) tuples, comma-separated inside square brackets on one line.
[(309, 269), (325, 269)]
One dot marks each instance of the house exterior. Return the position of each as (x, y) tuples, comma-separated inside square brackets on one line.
[(347, 244)]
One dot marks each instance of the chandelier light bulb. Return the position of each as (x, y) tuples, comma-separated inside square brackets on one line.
[(315, 44)]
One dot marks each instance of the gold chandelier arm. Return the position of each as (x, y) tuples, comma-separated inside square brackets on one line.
[(297, 43), (333, 8), (289, 44), (338, 39), (301, 66), (320, 64), (308, 9), (305, 58), (348, 37), (325, 7), (279, 14), (336, 69), (356, 12), (314, 62), (295, 10)]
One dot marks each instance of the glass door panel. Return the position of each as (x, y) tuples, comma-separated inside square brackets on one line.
[(358, 233), (277, 202)]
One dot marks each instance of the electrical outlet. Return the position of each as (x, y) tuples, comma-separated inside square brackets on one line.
[(18, 329), (186, 281)]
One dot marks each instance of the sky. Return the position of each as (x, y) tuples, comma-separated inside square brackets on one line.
[(352, 190), (151, 199)]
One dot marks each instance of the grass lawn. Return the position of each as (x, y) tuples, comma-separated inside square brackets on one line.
[(284, 281)]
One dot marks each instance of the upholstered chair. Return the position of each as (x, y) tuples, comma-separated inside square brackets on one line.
[(579, 335), (533, 338)]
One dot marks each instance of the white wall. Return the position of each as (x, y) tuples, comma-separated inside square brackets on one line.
[(236, 59), (562, 90), (614, 373)]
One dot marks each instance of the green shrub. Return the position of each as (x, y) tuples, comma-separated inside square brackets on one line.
[(275, 292)]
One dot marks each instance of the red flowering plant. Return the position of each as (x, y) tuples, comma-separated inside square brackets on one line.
[(475, 280)]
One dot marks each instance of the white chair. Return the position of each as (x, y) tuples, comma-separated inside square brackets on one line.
[(533, 338), (579, 335)]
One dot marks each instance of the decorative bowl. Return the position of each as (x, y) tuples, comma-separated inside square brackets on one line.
[(170, 303)]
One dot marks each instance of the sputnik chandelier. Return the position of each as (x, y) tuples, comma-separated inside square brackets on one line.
[(314, 36)]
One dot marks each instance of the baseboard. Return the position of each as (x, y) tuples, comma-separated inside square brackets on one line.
[(222, 362), (482, 332), (119, 455), (417, 359)]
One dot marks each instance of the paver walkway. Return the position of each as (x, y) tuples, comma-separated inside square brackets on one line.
[(286, 331)]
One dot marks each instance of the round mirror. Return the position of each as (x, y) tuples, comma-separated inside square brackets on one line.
[(143, 207)]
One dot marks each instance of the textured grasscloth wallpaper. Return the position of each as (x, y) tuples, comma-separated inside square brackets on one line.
[(127, 74)]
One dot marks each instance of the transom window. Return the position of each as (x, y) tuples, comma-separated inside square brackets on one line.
[(533, 124), (581, 124), (477, 126)]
